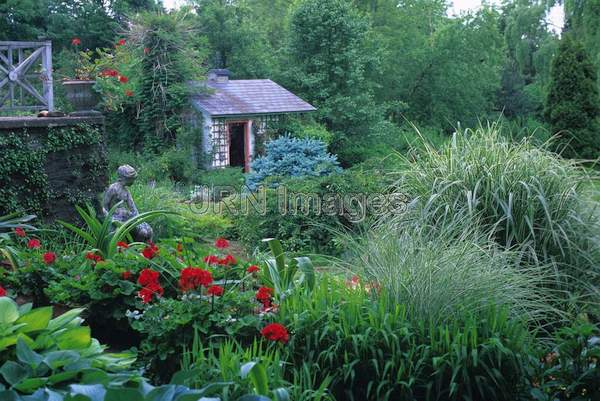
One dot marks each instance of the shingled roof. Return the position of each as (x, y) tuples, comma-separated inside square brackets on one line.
[(248, 97)]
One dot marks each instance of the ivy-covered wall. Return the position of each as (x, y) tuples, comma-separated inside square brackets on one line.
[(47, 165)]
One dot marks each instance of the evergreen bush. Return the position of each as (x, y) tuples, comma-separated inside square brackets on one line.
[(292, 157)]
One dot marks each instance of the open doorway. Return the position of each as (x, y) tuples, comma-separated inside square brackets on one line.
[(237, 154)]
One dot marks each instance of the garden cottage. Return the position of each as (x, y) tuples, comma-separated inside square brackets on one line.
[(235, 113)]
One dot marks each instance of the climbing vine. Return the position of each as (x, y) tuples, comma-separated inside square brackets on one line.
[(50, 166)]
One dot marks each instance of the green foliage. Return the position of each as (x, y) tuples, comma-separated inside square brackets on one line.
[(372, 351), (24, 183), (226, 177), (284, 277), (291, 157), (170, 61), (440, 276), (38, 351), (522, 197), (100, 235), (308, 213), (570, 371), (228, 362), (573, 104), (327, 64)]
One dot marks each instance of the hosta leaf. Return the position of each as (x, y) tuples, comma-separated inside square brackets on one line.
[(9, 312), (95, 392), (62, 376), (13, 372), (123, 394), (30, 385), (35, 320), (57, 359), (64, 319), (75, 338), (27, 355)]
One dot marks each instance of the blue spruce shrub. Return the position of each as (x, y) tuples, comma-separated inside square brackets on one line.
[(292, 157)]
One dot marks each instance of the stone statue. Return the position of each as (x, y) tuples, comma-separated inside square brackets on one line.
[(118, 192)]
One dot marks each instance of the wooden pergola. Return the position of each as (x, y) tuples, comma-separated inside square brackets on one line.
[(26, 76)]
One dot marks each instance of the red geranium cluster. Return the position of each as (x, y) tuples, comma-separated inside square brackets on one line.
[(19, 232), (2, 291), (215, 290), (194, 277), (49, 257), (148, 279), (221, 243), (275, 332), (252, 269), (264, 295), (215, 260), (93, 257), (75, 41), (34, 244), (150, 251)]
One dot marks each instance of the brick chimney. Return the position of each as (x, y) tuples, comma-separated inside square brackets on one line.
[(219, 76)]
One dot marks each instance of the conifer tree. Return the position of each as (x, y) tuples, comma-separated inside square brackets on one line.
[(573, 105)]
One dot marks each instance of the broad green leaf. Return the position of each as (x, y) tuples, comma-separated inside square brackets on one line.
[(64, 319), (25, 308), (37, 319), (62, 376), (27, 355), (13, 372), (95, 392), (258, 375), (123, 394), (9, 312), (75, 338), (57, 359), (30, 385)]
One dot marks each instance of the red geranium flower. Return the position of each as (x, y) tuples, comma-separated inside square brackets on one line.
[(228, 260), (49, 258), (121, 42), (123, 79), (19, 232), (146, 50), (122, 244), (109, 73), (264, 295), (193, 277), (215, 290), (128, 93), (75, 41), (147, 277), (252, 269), (93, 257), (34, 243), (126, 275), (275, 332), (149, 290), (221, 243), (2, 291), (211, 260), (150, 251)]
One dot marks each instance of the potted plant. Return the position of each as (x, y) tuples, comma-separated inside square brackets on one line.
[(79, 90)]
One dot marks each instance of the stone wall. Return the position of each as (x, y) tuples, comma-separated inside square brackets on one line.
[(48, 165)]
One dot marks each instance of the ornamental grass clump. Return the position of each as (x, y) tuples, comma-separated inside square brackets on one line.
[(443, 276), (522, 197)]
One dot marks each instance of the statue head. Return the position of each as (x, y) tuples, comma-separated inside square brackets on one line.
[(127, 174)]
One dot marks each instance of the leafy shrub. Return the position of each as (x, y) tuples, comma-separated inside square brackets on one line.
[(317, 208), (225, 177), (371, 351), (522, 197), (570, 371), (292, 157)]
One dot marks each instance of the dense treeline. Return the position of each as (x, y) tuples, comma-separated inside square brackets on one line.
[(369, 66)]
